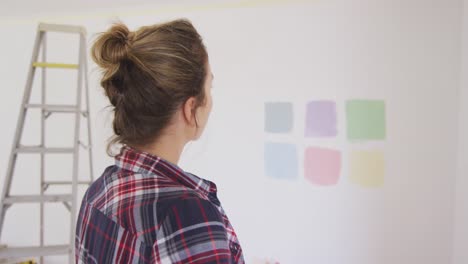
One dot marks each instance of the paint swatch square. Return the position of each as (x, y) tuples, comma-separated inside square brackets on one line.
[(281, 161), (278, 117), (365, 119), (322, 166), (367, 168), (320, 119)]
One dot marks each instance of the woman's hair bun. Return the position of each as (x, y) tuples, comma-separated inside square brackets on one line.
[(112, 47)]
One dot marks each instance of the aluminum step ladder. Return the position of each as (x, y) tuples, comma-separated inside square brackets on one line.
[(69, 200)]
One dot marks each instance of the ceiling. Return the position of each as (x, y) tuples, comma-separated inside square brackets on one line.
[(23, 8)]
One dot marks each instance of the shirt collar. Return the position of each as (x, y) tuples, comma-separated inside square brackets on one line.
[(146, 163)]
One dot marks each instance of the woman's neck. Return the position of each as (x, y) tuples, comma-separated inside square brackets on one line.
[(168, 147)]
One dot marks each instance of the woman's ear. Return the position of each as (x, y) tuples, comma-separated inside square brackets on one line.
[(189, 111)]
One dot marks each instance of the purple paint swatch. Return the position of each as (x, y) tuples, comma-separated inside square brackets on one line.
[(321, 119)]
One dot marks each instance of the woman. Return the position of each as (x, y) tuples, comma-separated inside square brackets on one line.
[(145, 209)]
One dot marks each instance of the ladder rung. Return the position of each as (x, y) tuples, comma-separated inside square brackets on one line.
[(61, 28), (20, 252), (55, 65), (38, 198), (26, 149), (55, 108), (65, 182)]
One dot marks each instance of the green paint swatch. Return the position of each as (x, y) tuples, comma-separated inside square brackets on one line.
[(365, 119)]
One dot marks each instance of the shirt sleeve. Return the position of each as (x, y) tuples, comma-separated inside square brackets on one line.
[(192, 232)]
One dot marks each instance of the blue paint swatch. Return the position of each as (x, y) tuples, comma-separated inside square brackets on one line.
[(278, 117), (281, 161)]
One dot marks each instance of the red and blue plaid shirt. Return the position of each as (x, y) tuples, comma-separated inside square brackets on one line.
[(147, 210)]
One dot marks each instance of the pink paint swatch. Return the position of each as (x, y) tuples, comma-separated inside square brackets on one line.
[(322, 166)]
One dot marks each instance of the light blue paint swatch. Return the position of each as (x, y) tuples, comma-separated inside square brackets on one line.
[(278, 117), (281, 161)]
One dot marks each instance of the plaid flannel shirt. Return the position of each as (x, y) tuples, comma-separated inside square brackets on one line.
[(147, 210)]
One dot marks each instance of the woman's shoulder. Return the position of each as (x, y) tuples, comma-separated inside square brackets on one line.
[(116, 185)]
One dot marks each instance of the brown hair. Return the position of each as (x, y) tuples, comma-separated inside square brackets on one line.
[(148, 74)]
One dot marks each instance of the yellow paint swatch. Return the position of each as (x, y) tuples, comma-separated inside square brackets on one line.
[(367, 168)]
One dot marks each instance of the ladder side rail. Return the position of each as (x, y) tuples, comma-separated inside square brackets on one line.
[(19, 128), (88, 114), (43, 124), (76, 152)]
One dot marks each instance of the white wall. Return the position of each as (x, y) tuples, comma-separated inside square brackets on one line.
[(406, 52), (460, 254)]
